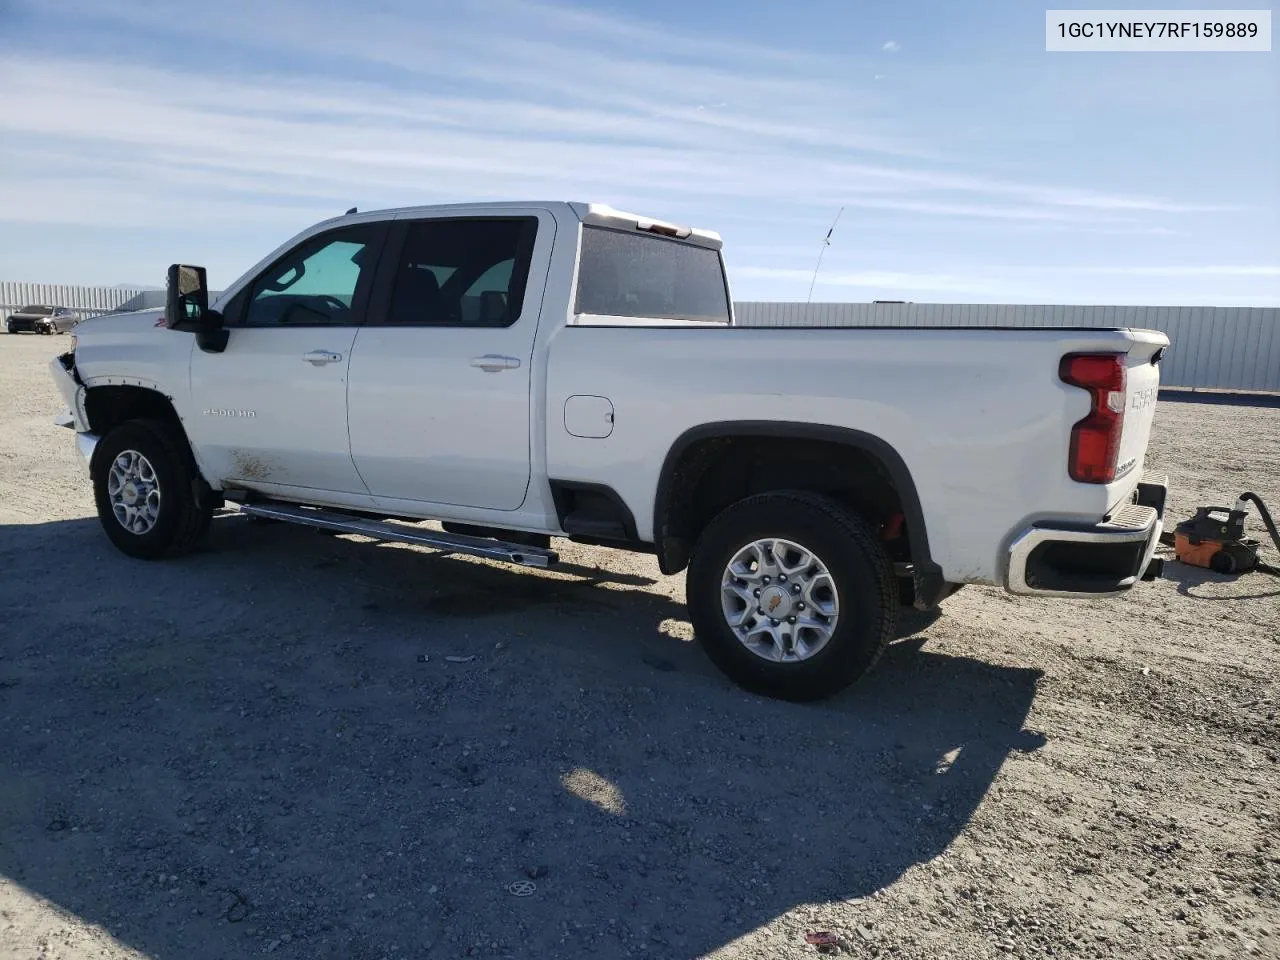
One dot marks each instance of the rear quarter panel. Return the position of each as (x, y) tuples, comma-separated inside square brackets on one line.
[(979, 416)]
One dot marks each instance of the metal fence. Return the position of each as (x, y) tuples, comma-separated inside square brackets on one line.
[(85, 300), (1211, 348)]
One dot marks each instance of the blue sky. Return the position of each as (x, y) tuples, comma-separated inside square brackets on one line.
[(972, 165)]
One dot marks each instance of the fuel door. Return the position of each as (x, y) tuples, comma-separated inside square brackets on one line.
[(588, 416)]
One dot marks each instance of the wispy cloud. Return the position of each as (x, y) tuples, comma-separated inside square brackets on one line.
[(279, 114), (474, 105), (288, 137)]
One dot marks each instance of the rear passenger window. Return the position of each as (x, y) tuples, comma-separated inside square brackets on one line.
[(463, 273)]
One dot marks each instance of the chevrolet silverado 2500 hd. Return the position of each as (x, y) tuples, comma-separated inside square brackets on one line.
[(526, 371)]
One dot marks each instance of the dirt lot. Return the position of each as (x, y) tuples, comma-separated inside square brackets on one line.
[(244, 753)]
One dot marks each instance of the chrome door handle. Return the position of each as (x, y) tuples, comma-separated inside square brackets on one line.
[(319, 358), (493, 362)]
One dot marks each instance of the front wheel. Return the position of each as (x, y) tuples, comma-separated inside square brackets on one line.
[(151, 501), (791, 595)]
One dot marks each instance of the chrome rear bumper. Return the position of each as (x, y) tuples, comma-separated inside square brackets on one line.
[(1102, 559)]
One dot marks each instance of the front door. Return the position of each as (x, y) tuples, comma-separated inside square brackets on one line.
[(272, 407), (438, 404)]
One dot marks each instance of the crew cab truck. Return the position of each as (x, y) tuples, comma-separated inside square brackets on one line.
[(524, 371)]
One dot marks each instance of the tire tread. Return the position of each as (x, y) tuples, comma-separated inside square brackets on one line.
[(194, 509), (858, 537)]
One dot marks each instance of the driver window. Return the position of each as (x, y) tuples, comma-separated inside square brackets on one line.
[(319, 283)]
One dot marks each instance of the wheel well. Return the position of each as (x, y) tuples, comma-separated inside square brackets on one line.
[(109, 406), (706, 473)]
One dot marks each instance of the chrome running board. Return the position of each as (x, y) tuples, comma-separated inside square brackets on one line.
[(517, 553)]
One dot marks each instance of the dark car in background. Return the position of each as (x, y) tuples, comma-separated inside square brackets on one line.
[(42, 319)]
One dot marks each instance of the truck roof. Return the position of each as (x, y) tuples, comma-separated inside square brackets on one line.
[(596, 213)]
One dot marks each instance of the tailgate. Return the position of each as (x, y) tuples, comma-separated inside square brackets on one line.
[(1142, 384)]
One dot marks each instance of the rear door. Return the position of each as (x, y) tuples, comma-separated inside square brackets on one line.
[(272, 407), (439, 398)]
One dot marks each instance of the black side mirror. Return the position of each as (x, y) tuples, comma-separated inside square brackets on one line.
[(186, 302), (186, 307)]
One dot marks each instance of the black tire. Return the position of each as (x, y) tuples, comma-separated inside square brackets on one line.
[(1223, 562), (186, 504), (858, 564)]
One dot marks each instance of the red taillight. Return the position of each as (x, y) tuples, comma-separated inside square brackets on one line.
[(1095, 440)]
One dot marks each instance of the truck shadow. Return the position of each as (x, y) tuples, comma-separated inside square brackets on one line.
[(265, 748)]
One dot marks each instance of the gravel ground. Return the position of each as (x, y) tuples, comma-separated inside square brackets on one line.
[(264, 749)]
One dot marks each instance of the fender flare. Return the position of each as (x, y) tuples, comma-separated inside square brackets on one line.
[(92, 383), (930, 585)]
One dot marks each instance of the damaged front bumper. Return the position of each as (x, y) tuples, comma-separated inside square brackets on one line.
[(74, 417)]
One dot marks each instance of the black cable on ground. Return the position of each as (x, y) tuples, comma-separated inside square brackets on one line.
[(1271, 529), (1265, 514)]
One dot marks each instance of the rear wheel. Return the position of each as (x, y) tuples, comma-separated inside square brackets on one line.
[(791, 595), (151, 500)]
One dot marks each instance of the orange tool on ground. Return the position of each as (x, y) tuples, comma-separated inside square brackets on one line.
[(1214, 538)]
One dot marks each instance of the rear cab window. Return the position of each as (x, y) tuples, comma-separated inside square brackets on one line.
[(639, 276)]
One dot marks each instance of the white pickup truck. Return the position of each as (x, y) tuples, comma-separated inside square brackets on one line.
[(525, 371)]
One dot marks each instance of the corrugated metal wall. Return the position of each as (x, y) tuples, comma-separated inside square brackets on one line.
[(88, 300), (1211, 348)]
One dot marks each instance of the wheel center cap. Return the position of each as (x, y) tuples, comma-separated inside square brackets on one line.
[(775, 602), (130, 494)]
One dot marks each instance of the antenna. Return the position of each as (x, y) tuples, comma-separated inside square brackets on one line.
[(826, 242)]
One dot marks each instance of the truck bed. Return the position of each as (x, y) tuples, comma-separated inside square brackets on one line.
[(978, 415)]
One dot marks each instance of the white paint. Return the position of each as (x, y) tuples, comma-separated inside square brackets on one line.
[(979, 417), (428, 426), (298, 432)]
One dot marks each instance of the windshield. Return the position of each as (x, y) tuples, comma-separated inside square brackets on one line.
[(42, 311), (624, 274)]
